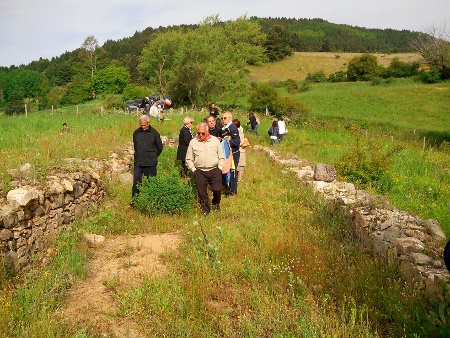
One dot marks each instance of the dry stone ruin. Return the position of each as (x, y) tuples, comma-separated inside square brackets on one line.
[(416, 245), (32, 214)]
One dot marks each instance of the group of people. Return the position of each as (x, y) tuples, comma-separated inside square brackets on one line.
[(213, 154)]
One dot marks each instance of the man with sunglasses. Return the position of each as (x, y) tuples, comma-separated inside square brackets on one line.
[(205, 159)]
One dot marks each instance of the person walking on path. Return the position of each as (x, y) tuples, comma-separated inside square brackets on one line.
[(242, 158), (184, 138), (147, 147), (230, 133), (253, 123), (205, 159)]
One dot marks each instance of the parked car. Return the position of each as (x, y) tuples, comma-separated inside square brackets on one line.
[(131, 106)]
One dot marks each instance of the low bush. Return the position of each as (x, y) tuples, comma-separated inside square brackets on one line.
[(290, 107), (367, 166), (339, 76), (164, 195), (316, 77)]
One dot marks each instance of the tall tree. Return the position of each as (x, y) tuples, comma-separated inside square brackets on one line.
[(434, 47), (203, 64), (88, 53)]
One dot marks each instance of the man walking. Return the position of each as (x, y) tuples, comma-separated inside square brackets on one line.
[(230, 133), (205, 159), (147, 147)]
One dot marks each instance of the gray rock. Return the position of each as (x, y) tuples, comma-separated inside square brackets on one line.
[(324, 172)]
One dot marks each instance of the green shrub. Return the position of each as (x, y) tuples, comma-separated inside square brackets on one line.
[(399, 69), (305, 87), (113, 102), (291, 86), (367, 165), (131, 92), (338, 76), (164, 194), (316, 77), (290, 107), (262, 95), (432, 76), (363, 68)]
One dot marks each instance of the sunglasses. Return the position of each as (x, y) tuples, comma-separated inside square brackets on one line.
[(201, 133)]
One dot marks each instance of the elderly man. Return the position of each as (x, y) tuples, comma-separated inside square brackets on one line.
[(231, 133), (147, 147), (205, 159)]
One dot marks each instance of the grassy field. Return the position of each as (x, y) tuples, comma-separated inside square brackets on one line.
[(278, 262), (298, 66)]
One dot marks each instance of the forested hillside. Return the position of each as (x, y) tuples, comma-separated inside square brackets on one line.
[(120, 66)]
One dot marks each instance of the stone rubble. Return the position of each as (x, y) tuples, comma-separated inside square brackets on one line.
[(31, 215), (401, 238)]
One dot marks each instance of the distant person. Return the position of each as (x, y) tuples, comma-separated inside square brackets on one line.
[(253, 123), (154, 111), (273, 133), (213, 110), (147, 147), (230, 134), (65, 129), (281, 128), (242, 159), (205, 159), (184, 139)]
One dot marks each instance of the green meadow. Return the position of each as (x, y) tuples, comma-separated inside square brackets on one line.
[(277, 262)]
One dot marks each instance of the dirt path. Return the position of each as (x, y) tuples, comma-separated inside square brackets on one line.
[(120, 260)]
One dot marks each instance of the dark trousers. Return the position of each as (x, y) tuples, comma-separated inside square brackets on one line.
[(212, 177), (184, 169), (138, 174), (233, 177)]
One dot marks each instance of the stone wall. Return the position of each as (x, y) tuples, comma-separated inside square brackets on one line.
[(31, 215), (400, 237)]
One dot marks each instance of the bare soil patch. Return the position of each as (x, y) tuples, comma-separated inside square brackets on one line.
[(122, 260)]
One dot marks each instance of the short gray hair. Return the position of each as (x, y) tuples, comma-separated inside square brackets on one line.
[(144, 118)]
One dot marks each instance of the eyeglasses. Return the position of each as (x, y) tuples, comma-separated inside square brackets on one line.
[(201, 133)]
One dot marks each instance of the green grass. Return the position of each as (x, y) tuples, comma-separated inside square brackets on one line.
[(276, 262), (402, 104)]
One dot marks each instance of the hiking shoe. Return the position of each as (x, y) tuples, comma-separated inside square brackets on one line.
[(216, 207)]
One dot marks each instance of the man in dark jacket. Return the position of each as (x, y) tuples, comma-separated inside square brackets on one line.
[(147, 147), (184, 138)]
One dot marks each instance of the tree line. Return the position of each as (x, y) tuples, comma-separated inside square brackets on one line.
[(196, 63)]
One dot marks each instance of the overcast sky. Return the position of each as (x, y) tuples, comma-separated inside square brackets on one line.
[(30, 29)]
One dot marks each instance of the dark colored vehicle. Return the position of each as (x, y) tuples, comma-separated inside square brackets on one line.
[(131, 106)]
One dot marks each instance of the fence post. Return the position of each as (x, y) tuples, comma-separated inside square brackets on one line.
[(26, 110), (52, 110), (77, 110), (424, 142), (392, 139)]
